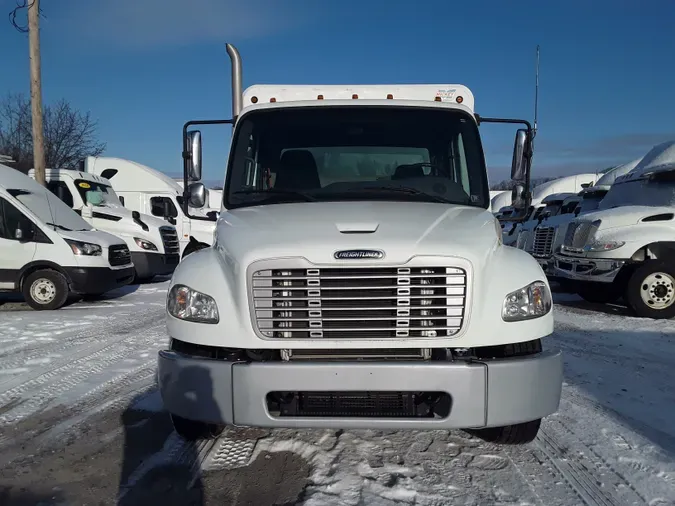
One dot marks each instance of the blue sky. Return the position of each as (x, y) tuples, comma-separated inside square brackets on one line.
[(144, 67)]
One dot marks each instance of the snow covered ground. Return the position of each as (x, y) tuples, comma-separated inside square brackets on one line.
[(81, 423)]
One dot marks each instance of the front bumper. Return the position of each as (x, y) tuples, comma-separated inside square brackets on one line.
[(95, 280), (546, 264), (483, 394), (602, 270), (153, 264)]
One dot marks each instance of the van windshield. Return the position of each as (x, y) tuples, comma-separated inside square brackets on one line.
[(49, 209), (356, 153), (658, 191)]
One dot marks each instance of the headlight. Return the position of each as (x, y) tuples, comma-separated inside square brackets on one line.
[(84, 248), (603, 245), (190, 305), (530, 302), (145, 244)]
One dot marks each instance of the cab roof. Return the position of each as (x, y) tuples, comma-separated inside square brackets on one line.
[(380, 94), (75, 174)]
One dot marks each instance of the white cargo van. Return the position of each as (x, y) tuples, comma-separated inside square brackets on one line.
[(47, 251), (626, 247), (150, 191), (153, 242), (357, 279)]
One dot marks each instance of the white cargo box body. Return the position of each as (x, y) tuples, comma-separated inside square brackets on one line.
[(448, 93)]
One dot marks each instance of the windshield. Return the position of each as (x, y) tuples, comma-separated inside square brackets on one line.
[(590, 202), (49, 209), (642, 192), (97, 194), (356, 153)]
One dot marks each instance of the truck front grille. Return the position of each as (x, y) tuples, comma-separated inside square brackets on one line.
[(543, 241), (359, 302), (170, 241), (118, 254)]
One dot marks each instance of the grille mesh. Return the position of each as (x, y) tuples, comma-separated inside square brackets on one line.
[(543, 241), (368, 302), (118, 254)]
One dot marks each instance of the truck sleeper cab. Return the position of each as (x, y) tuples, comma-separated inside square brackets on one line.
[(357, 279), (152, 242), (48, 252), (626, 248)]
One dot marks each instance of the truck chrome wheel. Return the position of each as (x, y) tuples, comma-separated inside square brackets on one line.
[(650, 291), (43, 291), (657, 290)]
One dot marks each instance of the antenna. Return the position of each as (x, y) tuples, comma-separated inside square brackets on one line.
[(536, 95)]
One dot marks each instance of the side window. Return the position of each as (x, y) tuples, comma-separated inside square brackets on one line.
[(157, 207), (60, 189), (11, 220), (122, 200)]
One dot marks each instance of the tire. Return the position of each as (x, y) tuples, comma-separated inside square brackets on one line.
[(518, 434), (598, 293), (650, 291), (191, 430), (45, 290)]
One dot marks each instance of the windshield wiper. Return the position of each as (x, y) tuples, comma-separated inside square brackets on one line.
[(399, 189), (277, 191), (60, 227)]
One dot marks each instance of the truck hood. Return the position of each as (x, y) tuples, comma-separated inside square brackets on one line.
[(317, 230), (624, 216)]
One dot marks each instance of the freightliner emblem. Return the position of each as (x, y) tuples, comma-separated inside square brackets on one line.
[(359, 254)]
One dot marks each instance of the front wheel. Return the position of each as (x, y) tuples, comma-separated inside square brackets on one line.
[(191, 430), (518, 434), (45, 290), (650, 291)]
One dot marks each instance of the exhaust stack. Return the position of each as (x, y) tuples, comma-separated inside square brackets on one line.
[(237, 91)]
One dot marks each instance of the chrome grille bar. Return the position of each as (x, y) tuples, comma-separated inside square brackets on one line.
[(543, 241), (361, 302)]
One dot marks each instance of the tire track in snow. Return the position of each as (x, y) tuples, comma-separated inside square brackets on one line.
[(84, 341), (83, 367)]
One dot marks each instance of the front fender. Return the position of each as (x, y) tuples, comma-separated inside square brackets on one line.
[(635, 237)]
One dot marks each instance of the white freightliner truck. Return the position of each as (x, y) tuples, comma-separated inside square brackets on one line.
[(357, 279), (153, 242), (149, 191), (627, 247), (48, 252)]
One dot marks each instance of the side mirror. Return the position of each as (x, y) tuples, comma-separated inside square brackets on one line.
[(518, 164), (197, 195), (194, 154), (24, 232), (577, 211), (518, 197)]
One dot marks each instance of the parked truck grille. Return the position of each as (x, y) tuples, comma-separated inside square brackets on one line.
[(361, 302), (170, 241), (118, 254), (578, 233), (543, 241)]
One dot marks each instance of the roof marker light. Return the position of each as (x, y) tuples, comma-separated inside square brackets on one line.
[(390, 96), (319, 97), (460, 99), (355, 96), (273, 99), (437, 99), (254, 100)]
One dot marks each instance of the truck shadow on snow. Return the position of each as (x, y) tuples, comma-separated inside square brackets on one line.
[(159, 467), (12, 496)]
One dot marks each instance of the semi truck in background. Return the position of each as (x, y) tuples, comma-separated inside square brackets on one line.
[(348, 290), (153, 243), (146, 190), (48, 252)]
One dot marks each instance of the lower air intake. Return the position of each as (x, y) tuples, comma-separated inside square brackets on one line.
[(356, 404)]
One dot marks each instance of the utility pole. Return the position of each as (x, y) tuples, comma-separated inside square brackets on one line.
[(36, 90)]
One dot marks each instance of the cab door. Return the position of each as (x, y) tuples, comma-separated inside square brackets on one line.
[(17, 245)]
